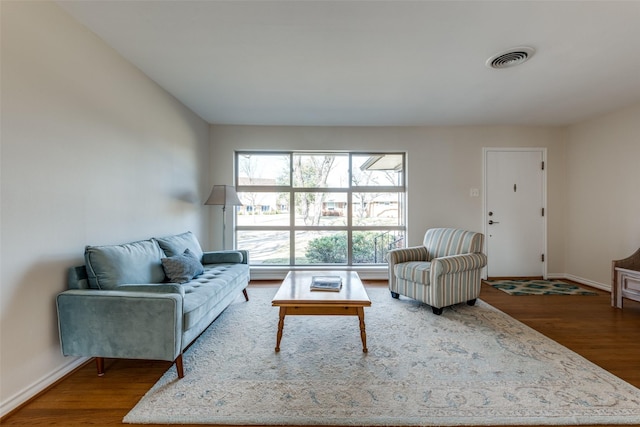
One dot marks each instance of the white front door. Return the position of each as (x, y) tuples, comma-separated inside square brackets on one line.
[(515, 225)]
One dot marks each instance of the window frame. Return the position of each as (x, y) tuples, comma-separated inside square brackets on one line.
[(349, 190)]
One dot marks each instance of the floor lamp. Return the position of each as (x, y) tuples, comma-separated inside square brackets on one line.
[(223, 195)]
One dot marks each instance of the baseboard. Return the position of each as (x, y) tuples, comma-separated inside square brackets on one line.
[(14, 402), (582, 281)]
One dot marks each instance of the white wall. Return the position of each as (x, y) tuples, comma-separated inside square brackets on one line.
[(444, 163), (93, 152), (603, 194)]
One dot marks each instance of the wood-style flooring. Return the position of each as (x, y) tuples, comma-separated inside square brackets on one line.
[(588, 325)]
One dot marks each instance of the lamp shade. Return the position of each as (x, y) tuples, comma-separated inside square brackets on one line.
[(224, 195)]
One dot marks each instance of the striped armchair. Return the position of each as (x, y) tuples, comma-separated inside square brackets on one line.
[(444, 271)]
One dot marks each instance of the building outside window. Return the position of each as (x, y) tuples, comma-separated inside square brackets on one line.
[(319, 208)]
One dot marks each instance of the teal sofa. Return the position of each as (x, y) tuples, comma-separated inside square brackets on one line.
[(148, 299), (445, 270)]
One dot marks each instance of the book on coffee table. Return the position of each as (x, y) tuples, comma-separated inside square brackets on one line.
[(326, 283)]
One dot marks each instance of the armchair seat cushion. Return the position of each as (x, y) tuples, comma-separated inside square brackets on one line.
[(414, 271)]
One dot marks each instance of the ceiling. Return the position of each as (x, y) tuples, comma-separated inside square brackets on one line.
[(379, 63)]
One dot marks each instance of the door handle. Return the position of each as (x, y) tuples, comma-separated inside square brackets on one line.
[(491, 222)]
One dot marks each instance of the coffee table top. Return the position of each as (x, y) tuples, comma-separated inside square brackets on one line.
[(295, 289)]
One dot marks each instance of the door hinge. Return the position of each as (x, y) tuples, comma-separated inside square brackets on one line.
[(542, 211), (542, 165), (542, 258)]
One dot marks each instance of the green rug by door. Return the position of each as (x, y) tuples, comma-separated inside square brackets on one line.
[(469, 366), (538, 287)]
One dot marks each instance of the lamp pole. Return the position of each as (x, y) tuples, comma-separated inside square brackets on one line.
[(224, 226), (223, 195)]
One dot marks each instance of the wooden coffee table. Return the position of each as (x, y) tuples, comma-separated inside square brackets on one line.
[(296, 298)]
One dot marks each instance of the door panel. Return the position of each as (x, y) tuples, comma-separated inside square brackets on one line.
[(514, 224)]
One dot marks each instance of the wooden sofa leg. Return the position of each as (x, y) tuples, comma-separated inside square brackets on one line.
[(471, 302), (437, 311), (395, 295), (246, 296), (100, 366), (179, 366)]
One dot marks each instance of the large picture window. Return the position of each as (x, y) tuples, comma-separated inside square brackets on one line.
[(317, 208)]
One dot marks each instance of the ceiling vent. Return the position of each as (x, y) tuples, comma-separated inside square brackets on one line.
[(510, 58)]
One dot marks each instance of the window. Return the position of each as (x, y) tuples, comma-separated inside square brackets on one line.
[(316, 208)]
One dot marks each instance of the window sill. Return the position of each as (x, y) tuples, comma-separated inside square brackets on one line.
[(377, 272)]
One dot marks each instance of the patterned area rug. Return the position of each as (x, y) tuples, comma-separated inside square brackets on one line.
[(469, 366), (538, 287)]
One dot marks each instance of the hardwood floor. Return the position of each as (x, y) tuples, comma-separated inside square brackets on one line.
[(588, 325)]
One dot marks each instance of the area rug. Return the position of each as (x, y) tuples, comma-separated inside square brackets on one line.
[(538, 287), (469, 366)]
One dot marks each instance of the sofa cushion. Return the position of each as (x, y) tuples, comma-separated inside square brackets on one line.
[(175, 245), (182, 268), (113, 265), (205, 291)]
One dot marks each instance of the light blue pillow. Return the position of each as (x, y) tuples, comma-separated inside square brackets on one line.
[(132, 263), (175, 245), (182, 268)]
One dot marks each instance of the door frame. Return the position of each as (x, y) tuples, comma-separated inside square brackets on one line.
[(485, 216)]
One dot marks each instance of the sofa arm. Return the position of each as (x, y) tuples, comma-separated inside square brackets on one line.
[(226, 257), (156, 288), (457, 263), (120, 324)]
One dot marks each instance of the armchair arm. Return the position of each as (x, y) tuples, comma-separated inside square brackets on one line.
[(415, 253), (457, 263), (396, 256), (120, 324), (226, 257)]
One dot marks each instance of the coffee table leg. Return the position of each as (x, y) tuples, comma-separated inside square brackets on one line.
[(363, 333), (283, 312)]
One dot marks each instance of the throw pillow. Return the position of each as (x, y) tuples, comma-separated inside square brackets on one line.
[(182, 268), (131, 263), (175, 245)]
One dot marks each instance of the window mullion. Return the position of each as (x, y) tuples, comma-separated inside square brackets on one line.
[(349, 228), (350, 212)]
